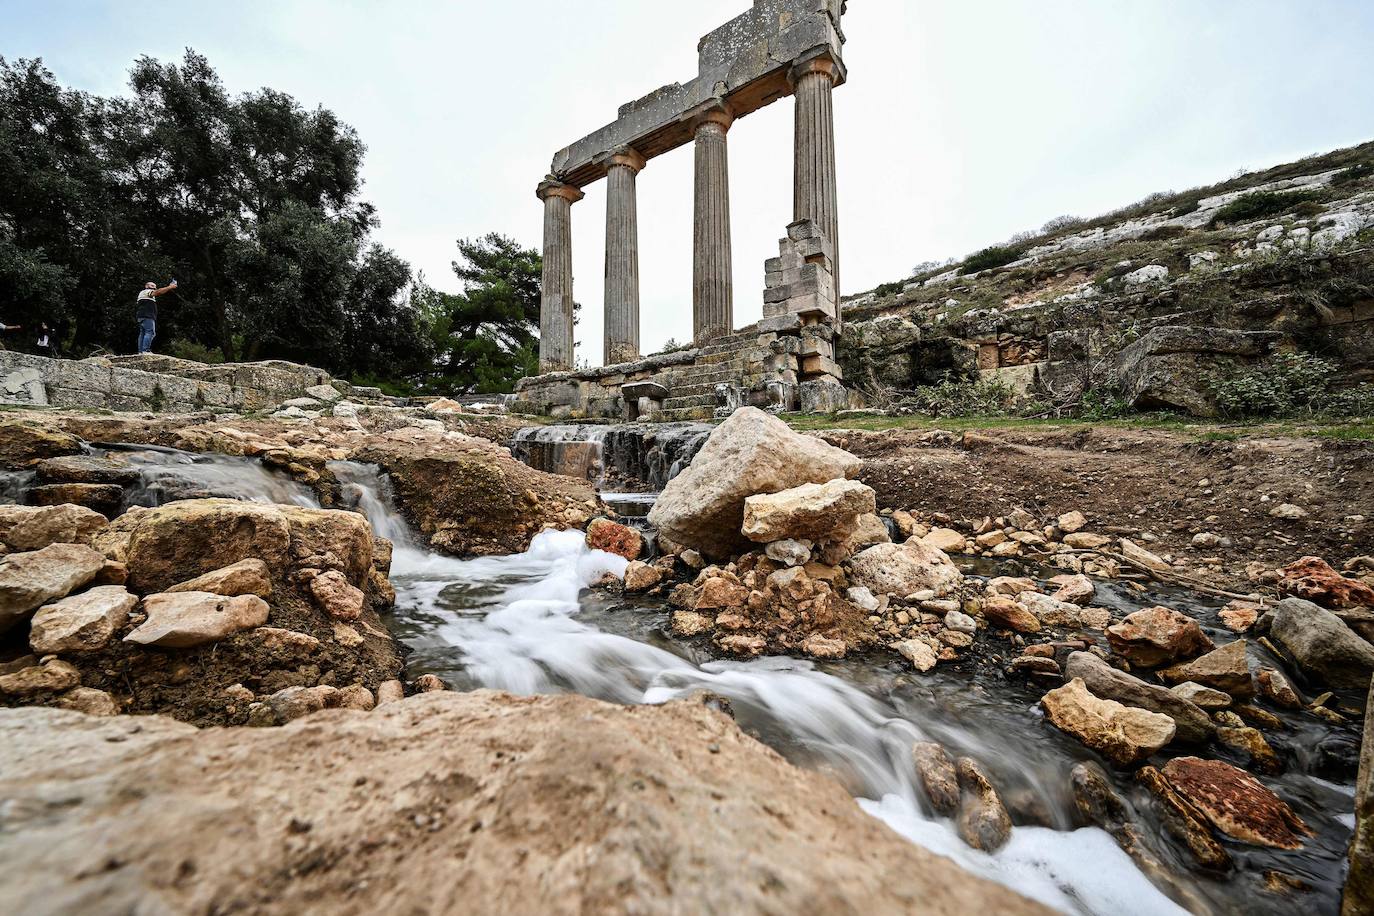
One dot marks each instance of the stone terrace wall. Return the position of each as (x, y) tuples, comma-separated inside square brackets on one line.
[(152, 383)]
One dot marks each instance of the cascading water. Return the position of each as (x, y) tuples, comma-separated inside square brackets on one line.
[(168, 474), (646, 455), (525, 623)]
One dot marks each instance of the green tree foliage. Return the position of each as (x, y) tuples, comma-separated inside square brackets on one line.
[(251, 202), (487, 335)]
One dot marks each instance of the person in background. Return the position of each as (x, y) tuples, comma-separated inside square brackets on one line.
[(4, 328), (146, 313), (44, 343)]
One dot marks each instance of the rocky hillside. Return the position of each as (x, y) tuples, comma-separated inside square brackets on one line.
[(1154, 303)]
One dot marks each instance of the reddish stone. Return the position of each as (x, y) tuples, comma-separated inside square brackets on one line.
[(1156, 636), (1313, 579), (1236, 803), (613, 537)]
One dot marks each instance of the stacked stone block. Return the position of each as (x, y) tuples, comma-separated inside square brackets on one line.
[(800, 306)]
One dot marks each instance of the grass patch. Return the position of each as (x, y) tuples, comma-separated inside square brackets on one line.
[(1261, 204)]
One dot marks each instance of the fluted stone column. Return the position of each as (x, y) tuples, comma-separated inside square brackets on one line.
[(622, 257), (813, 186), (556, 303), (713, 313)]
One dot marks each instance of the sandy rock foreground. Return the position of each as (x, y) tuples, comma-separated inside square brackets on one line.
[(446, 802)]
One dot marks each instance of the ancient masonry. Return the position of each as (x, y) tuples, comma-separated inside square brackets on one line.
[(776, 49), (152, 382)]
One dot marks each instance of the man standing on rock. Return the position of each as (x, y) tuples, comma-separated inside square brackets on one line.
[(146, 313)]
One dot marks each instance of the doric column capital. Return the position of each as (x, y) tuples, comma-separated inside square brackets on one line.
[(820, 61), (712, 111), (552, 187), (624, 155)]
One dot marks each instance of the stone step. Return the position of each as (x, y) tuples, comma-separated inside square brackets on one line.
[(681, 414), (691, 400), (705, 375)]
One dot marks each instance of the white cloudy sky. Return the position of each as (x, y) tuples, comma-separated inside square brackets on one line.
[(963, 121)]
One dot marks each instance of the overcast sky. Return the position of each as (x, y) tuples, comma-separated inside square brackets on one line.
[(962, 122)]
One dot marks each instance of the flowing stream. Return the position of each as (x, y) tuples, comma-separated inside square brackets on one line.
[(530, 623)]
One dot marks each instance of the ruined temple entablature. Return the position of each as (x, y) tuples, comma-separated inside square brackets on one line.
[(777, 48), (741, 66)]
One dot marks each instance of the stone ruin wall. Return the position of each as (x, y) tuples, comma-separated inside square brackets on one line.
[(157, 383)]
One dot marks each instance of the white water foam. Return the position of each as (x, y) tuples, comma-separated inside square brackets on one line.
[(522, 636)]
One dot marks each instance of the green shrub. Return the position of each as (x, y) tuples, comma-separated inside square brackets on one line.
[(1288, 385), (189, 349), (1261, 204), (988, 258), (954, 397), (1357, 172), (888, 289)]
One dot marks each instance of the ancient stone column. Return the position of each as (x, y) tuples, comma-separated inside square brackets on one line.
[(622, 257), (813, 184), (713, 312), (556, 303)]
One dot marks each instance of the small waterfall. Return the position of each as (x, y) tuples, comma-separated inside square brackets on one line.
[(12, 486), (168, 474), (366, 489), (631, 455)]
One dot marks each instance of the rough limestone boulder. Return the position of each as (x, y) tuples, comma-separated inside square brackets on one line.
[(186, 619), (1123, 734), (1170, 366), (813, 511), (750, 453), (698, 816), (1236, 803), (1157, 636), (32, 579), (1193, 724), (23, 442), (182, 540), (81, 623), (35, 527), (1322, 644), (904, 569), (469, 496)]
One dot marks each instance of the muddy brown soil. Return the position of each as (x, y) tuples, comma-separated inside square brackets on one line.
[(1140, 482)]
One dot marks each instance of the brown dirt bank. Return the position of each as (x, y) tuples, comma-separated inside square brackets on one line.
[(445, 802), (1172, 485)]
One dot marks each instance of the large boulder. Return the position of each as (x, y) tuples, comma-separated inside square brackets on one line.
[(185, 619), (1170, 366), (1157, 636), (813, 511), (112, 470), (696, 816), (1193, 724), (181, 540), (1123, 734), (35, 527), (31, 579), (1236, 803), (469, 496), (752, 452), (1322, 644), (81, 623), (904, 569)]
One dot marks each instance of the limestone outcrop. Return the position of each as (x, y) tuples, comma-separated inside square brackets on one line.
[(698, 812), (750, 453), (469, 496)]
